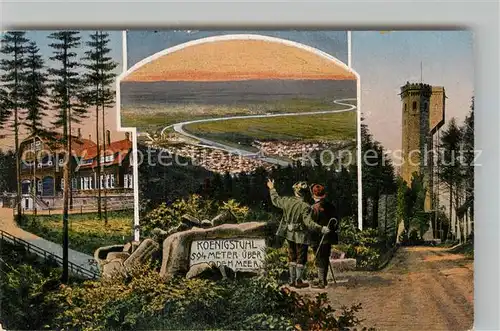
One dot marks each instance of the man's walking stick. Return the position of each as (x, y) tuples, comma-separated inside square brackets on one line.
[(319, 246)]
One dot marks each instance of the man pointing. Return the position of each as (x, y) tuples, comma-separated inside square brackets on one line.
[(294, 226)]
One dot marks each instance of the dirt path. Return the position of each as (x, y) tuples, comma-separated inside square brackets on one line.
[(423, 288)]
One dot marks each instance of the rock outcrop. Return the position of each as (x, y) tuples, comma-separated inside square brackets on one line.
[(176, 248)]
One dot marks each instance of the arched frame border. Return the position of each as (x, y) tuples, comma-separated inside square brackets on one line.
[(128, 71)]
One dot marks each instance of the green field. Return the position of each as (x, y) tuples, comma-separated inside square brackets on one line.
[(86, 232), (340, 126), (152, 118)]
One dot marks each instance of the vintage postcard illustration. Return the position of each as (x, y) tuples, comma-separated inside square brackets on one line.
[(237, 180)]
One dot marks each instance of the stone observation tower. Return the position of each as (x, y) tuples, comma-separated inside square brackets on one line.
[(423, 109)]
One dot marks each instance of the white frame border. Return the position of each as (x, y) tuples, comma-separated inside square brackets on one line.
[(127, 71)]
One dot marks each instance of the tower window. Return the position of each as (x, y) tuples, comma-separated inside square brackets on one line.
[(414, 105), (405, 107)]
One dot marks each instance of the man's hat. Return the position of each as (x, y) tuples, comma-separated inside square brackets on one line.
[(300, 187), (318, 191)]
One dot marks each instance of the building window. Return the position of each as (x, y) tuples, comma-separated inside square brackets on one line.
[(112, 181), (414, 105), (90, 182), (85, 183), (73, 183), (102, 181), (39, 186), (81, 183), (405, 106), (127, 181)]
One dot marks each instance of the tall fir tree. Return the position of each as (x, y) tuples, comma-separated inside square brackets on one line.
[(107, 100), (66, 97), (35, 99), (100, 95), (13, 65), (5, 107), (35, 91), (470, 155), (92, 98), (450, 166)]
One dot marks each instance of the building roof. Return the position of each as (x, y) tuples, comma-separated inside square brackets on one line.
[(78, 144), (120, 149), (87, 149)]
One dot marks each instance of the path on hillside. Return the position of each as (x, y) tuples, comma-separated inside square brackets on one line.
[(179, 128), (8, 225), (423, 288)]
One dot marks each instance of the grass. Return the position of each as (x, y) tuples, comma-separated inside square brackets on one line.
[(466, 249), (152, 118), (340, 126), (86, 232)]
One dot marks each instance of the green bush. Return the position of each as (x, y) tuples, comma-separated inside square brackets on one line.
[(366, 246), (144, 301), (167, 217), (25, 280)]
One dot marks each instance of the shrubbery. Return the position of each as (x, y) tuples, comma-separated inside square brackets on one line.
[(366, 246), (169, 216), (143, 301)]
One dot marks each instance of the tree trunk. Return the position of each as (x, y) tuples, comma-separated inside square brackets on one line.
[(451, 228), (98, 178), (65, 274), (34, 177), (376, 199), (365, 208), (16, 137), (66, 176), (104, 172)]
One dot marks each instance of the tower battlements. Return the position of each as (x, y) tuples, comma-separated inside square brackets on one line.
[(415, 89)]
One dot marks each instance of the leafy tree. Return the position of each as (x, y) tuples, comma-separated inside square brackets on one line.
[(13, 65), (411, 200), (66, 96)]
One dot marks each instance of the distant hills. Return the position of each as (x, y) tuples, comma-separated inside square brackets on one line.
[(229, 60), (141, 44)]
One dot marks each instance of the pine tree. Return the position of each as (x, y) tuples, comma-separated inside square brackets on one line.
[(92, 98), (5, 107), (13, 65), (450, 165), (468, 164), (34, 95), (100, 94), (66, 95), (107, 100)]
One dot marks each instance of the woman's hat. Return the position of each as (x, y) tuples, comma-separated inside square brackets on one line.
[(318, 191)]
